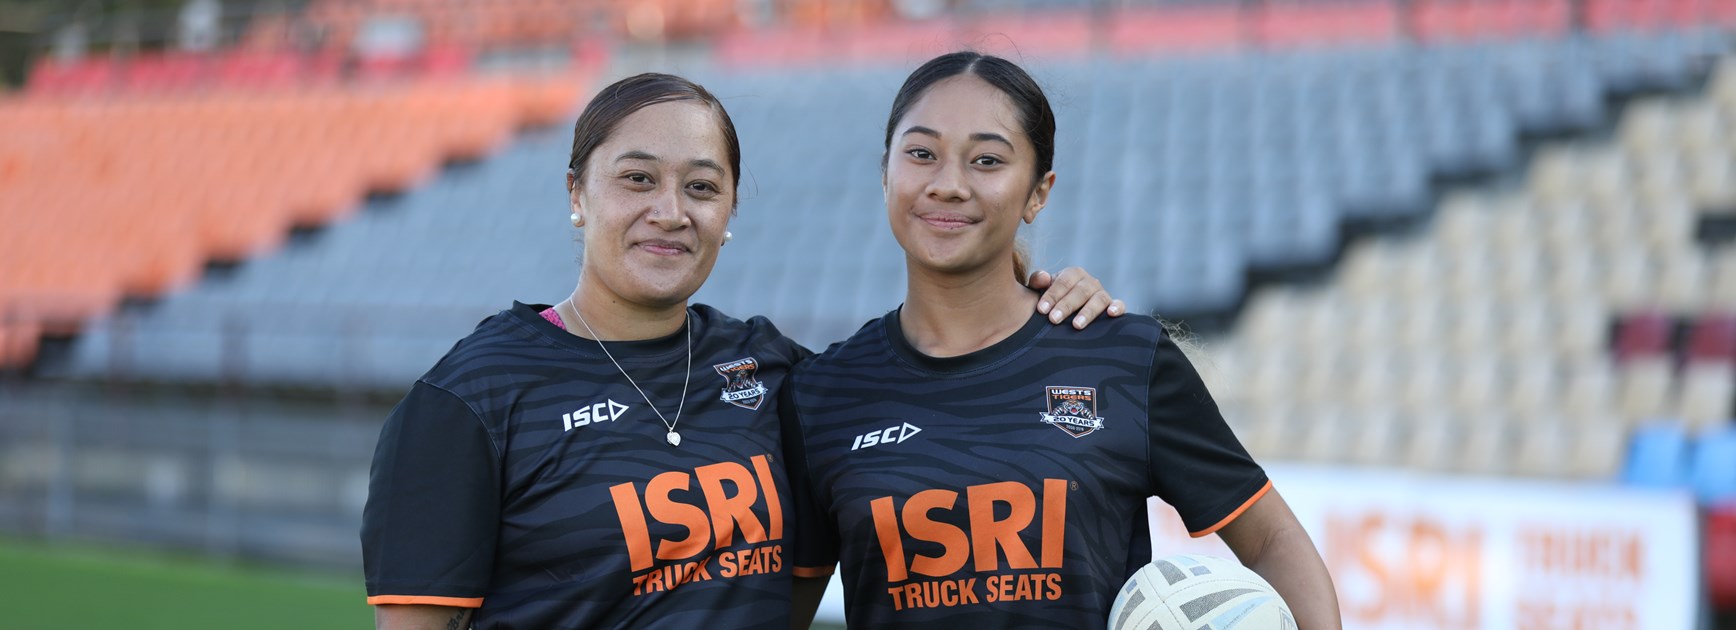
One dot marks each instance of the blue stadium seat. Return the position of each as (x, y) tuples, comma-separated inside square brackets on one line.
[(1713, 473), (1658, 457)]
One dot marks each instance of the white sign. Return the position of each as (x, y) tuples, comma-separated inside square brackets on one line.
[(1416, 551)]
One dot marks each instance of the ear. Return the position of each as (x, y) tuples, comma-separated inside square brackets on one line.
[(1039, 197), (573, 199)]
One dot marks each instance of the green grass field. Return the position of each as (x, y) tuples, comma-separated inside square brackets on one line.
[(76, 588), (56, 588)]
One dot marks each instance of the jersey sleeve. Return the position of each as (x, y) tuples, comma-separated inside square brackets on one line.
[(1196, 463), (814, 539), (433, 509)]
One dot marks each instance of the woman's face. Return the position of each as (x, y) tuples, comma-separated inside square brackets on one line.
[(654, 200), (959, 177)]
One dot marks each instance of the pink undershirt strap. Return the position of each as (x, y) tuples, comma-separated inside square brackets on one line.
[(553, 317)]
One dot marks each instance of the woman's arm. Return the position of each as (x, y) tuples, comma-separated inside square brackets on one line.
[(1268, 539), (420, 617), (1075, 293)]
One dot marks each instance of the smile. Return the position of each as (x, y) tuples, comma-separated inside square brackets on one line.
[(947, 221), (663, 248)]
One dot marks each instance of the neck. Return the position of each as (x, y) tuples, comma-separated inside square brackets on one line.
[(615, 319), (949, 314)]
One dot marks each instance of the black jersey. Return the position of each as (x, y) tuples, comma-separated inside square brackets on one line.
[(524, 476), (1006, 487)]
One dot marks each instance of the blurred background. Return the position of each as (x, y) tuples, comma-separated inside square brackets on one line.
[(1461, 270)]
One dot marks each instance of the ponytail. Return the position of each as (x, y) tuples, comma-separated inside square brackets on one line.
[(1021, 261)]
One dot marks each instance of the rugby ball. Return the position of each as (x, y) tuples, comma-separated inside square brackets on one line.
[(1193, 592)]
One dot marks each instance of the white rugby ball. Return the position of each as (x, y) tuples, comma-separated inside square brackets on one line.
[(1193, 592)]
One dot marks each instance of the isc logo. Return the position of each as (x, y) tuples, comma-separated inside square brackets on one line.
[(890, 435), (606, 411)]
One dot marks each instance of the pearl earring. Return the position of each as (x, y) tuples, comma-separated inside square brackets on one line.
[(577, 220), (727, 236)]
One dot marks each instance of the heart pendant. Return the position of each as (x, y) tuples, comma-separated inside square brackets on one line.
[(674, 438)]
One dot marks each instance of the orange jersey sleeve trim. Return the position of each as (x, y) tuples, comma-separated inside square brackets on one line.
[(1226, 520), (811, 572), (456, 602)]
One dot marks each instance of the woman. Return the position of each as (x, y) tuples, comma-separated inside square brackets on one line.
[(1013, 493), (613, 460)]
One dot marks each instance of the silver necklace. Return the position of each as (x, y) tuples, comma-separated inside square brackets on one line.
[(673, 437)]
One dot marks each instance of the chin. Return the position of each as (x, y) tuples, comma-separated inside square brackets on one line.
[(666, 291)]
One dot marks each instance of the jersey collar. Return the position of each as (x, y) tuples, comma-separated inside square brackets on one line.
[(995, 354)]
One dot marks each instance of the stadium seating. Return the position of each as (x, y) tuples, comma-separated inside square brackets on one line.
[(1206, 167), (147, 189), (1510, 296)]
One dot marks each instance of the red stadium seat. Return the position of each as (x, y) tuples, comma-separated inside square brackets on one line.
[(1282, 25), (1713, 339), (259, 69), (164, 72), (71, 77), (1462, 20), (445, 60), (774, 46), (1048, 34), (1720, 559), (1178, 29), (1642, 336), (899, 42), (1607, 15)]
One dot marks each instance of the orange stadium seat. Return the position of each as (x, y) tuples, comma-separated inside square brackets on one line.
[(144, 189)]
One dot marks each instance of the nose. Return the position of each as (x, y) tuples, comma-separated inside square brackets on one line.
[(668, 212), (948, 183)]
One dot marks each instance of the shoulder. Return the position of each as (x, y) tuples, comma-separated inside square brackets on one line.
[(499, 343), (757, 332), (1131, 332), (868, 341)]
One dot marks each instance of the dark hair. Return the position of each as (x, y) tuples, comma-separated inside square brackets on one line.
[(618, 101), (1035, 116)]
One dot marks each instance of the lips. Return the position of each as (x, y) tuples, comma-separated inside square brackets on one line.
[(662, 247), (947, 220)]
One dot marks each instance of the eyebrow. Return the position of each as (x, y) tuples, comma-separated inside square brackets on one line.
[(707, 163), (980, 136), (641, 155)]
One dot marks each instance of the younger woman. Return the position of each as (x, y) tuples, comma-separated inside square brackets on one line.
[(972, 467)]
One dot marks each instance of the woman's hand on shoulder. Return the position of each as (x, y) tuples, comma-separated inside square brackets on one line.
[(1074, 293)]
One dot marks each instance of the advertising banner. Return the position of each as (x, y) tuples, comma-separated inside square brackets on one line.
[(1416, 551)]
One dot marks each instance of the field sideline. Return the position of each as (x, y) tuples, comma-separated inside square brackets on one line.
[(53, 587)]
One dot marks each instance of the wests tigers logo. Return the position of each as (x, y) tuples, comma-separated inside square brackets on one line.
[(1072, 409), (740, 388)]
